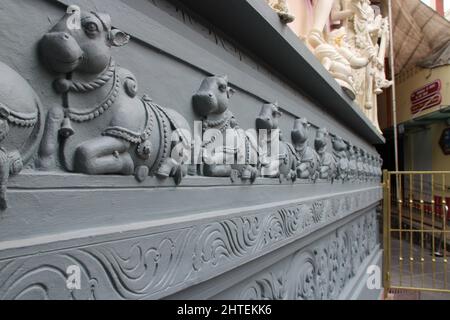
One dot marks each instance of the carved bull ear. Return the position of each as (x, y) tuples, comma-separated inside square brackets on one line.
[(277, 113), (230, 92), (118, 38), (72, 9)]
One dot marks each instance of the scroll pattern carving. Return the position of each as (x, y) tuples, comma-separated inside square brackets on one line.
[(318, 272), (157, 265)]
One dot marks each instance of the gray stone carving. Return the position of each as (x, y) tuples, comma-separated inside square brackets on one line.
[(352, 163), (104, 128), (327, 163), (379, 167), (318, 272), (212, 102), (119, 133), (282, 165), (21, 126), (340, 148), (308, 164), (366, 166), (160, 263), (360, 164), (137, 244)]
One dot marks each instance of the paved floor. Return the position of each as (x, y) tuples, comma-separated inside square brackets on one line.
[(419, 270)]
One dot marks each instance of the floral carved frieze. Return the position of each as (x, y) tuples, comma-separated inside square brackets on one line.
[(160, 264), (320, 271)]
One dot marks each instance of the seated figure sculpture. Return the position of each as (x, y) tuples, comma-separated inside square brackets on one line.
[(103, 126), (308, 160), (360, 165), (340, 148), (327, 163), (281, 163), (352, 164), (228, 151)]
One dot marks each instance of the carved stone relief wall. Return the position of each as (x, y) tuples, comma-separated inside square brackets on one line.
[(103, 127), (159, 264), (82, 100), (318, 272)]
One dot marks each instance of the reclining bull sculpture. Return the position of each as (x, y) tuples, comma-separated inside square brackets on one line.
[(21, 126), (352, 163), (234, 156), (340, 154), (281, 163), (104, 127), (308, 165), (327, 163)]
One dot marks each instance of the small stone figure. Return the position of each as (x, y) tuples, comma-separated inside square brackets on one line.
[(360, 165), (352, 164), (281, 163), (327, 164), (308, 165), (380, 168), (231, 157), (340, 148), (366, 166)]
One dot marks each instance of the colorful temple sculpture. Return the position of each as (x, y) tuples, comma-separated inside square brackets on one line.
[(351, 39)]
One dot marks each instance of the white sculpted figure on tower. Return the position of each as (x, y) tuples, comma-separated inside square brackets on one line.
[(337, 58), (369, 27), (350, 38)]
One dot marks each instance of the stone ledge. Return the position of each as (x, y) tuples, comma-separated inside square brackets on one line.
[(48, 204), (36, 180)]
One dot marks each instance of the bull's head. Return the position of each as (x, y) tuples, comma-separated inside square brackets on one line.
[(320, 143), (268, 118), (339, 144), (213, 97), (81, 41), (301, 130), (351, 151)]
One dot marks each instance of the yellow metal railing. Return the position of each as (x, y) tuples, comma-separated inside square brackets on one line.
[(416, 230)]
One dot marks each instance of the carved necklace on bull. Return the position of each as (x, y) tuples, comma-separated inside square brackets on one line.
[(141, 139), (66, 85), (227, 122)]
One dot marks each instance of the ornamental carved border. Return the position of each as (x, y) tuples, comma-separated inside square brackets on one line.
[(319, 272), (161, 264)]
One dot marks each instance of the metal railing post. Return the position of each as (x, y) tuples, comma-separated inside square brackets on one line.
[(386, 233)]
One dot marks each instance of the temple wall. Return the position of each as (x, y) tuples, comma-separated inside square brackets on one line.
[(209, 237)]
